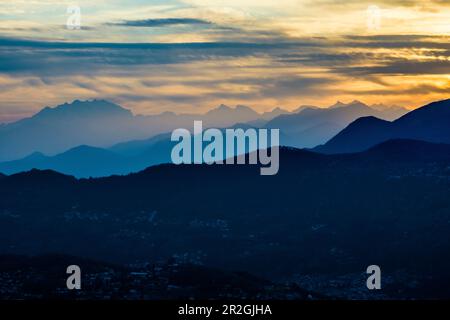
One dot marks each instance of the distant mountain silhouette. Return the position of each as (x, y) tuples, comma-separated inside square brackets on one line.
[(136, 147), (83, 109), (274, 113), (314, 126), (267, 116), (429, 123), (82, 161), (391, 112), (57, 129), (308, 126), (301, 108), (224, 116), (100, 123), (86, 161)]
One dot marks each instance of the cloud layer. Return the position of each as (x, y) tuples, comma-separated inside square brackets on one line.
[(191, 55)]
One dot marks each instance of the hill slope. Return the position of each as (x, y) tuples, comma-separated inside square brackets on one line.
[(326, 215), (429, 123)]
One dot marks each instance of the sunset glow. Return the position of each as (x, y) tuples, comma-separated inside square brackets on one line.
[(193, 55)]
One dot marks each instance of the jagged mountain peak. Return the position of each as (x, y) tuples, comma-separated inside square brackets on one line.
[(354, 103), (85, 108)]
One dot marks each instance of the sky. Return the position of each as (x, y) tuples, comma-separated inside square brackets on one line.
[(193, 55)]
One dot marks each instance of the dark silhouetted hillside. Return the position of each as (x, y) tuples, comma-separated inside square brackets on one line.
[(322, 215), (429, 123)]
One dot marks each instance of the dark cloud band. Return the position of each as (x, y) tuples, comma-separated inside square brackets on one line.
[(152, 23)]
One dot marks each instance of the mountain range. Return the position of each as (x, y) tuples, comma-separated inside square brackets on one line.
[(86, 161), (85, 132), (314, 126), (99, 123), (429, 123)]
